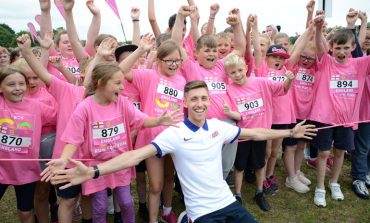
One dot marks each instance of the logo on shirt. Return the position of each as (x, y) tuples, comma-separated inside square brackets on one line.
[(214, 134), (187, 139)]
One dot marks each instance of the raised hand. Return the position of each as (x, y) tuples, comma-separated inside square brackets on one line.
[(44, 5), (147, 42), (47, 41), (135, 13), (351, 18), (362, 16), (319, 21), (107, 47), (311, 6), (171, 119), (226, 107), (92, 7), (289, 74), (68, 5), (185, 10), (24, 42), (194, 15), (56, 62), (252, 19), (233, 20), (214, 10), (304, 131)]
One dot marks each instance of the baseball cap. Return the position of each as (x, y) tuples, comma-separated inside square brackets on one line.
[(278, 51), (124, 48)]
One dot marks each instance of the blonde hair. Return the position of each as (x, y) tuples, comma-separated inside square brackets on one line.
[(232, 61), (281, 36), (223, 35), (265, 36), (101, 74), (21, 65), (8, 70)]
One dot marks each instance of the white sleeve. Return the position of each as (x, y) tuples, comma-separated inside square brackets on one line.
[(229, 132), (165, 142)]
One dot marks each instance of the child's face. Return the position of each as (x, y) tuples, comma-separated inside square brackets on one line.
[(4, 59), (275, 62), (170, 64), (207, 57), (13, 87), (265, 44), (113, 87), (284, 42), (237, 73), (224, 47), (64, 46), (34, 81), (341, 52), (367, 40), (307, 58)]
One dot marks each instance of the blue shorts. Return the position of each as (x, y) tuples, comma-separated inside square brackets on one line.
[(343, 138), (24, 194), (308, 122), (233, 213), (286, 141)]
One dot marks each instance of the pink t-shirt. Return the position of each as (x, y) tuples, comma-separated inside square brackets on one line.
[(216, 80), (339, 90), (365, 102), (253, 101), (158, 94), (189, 46), (131, 92), (43, 96), (68, 96), (303, 91), (20, 125), (282, 107), (101, 133)]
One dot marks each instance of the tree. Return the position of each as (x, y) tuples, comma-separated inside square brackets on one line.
[(7, 36)]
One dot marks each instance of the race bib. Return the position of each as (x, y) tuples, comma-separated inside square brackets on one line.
[(251, 105), (305, 78), (343, 84), (15, 140), (74, 70), (215, 85), (170, 91), (168, 97), (278, 78)]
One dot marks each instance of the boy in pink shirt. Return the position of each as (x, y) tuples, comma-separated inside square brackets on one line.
[(340, 85), (251, 99)]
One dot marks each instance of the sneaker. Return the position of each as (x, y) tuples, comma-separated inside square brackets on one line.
[(261, 202), (230, 180), (319, 198), (143, 212), (303, 178), (170, 218), (273, 181), (239, 199), (330, 162), (295, 184), (360, 189), (267, 188), (367, 181), (183, 218), (336, 192), (249, 176)]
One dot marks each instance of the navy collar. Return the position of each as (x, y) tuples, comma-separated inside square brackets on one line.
[(193, 127)]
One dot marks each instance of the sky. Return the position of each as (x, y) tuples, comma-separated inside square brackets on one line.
[(289, 14)]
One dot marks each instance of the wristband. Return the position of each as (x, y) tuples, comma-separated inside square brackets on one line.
[(291, 133), (135, 20), (96, 172)]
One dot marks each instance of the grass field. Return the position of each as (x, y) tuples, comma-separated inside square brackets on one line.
[(287, 205)]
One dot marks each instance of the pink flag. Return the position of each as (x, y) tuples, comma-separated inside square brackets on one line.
[(38, 19), (113, 5), (32, 30), (59, 5)]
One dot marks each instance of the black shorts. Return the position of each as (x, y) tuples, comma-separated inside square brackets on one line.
[(250, 154), (307, 122), (343, 137), (70, 192), (286, 141), (141, 167), (24, 194)]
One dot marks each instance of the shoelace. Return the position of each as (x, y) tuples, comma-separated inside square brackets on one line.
[(361, 185), (319, 194), (336, 188)]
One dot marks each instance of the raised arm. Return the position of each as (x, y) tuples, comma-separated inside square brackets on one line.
[(239, 39), (45, 24), (211, 19), (256, 40), (300, 45), (153, 19), (24, 44), (77, 48), (146, 43), (248, 51), (94, 28), (135, 17), (310, 9), (194, 20), (363, 27), (183, 12), (319, 21)]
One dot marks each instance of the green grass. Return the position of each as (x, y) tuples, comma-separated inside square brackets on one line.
[(287, 205)]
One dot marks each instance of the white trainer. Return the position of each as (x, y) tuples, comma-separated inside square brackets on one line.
[(296, 185), (336, 192), (319, 198), (303, 178)]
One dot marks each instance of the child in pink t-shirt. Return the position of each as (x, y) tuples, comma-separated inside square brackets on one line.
[(251, 99), (337, 100), (160, 90), (274, 67), (21, 123)]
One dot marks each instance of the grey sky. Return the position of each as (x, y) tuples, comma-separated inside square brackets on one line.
[(290, 14)]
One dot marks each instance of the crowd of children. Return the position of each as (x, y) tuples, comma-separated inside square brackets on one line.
[(97, 100)]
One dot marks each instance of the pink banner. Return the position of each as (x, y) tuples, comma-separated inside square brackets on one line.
[(112, 4), (32, 30), (38, 19), (59, 5)]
